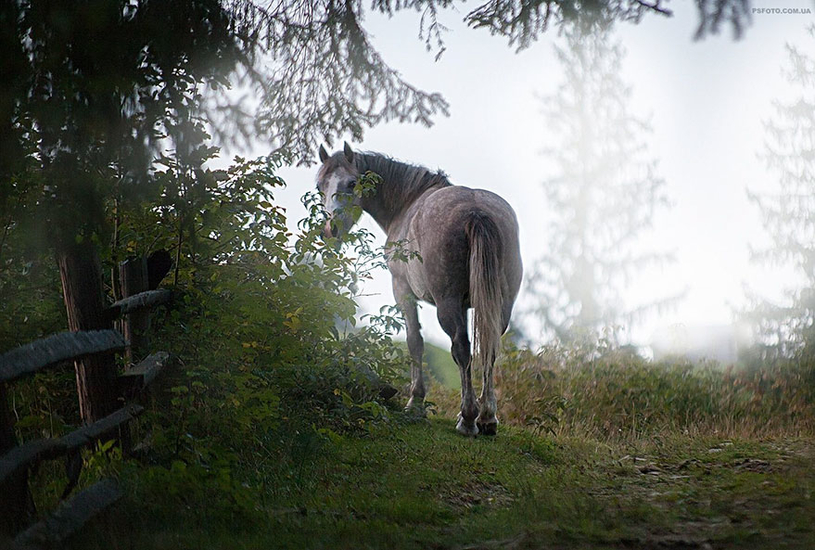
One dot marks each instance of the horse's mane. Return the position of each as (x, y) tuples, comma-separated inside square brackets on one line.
[(401, 181)]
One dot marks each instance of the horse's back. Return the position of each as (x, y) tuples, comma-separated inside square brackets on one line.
[(437, 227), (461, 201)]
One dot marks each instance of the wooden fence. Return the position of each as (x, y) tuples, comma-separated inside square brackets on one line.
[(18, 462)]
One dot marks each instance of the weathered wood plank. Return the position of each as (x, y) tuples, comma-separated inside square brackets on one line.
[(97, 430), (150, 367), (148, 298), (45, 449), (69, 516), (32, 452), (137, 378), (49, 351)]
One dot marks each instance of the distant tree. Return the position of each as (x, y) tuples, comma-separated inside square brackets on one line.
[(602, 197), (789, 213)]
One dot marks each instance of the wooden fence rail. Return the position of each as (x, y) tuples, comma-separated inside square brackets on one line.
[(38, 450), (16, 461), (55, 349), (69, 517), (138, 301)]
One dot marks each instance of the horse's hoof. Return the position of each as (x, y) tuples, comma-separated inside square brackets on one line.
[(466, 428), (487, 428)]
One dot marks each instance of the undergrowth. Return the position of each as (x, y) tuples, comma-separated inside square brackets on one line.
[(617, 394)]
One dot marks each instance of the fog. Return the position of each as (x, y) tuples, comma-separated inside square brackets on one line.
[(706, 102)]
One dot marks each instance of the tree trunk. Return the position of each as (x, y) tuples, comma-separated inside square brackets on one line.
[(81, 275), (16, 504), (133, 273)]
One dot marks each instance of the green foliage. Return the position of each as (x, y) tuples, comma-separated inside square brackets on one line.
[(29, 283), (270, 367), (32, 305), (270, 363), (441, 365), (96, 88)]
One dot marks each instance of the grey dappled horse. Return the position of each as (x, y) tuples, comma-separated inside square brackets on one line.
[(467, 242)]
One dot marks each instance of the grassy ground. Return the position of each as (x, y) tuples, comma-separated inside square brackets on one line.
[(420, 485)]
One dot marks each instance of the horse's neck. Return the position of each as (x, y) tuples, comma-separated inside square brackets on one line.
[(389, 204), (383, 208), (401, 186)]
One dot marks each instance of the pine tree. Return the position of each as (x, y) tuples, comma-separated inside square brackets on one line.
[(789, 213), (602, 197)]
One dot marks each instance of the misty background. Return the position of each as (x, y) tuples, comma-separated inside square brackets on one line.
[(706, 101)]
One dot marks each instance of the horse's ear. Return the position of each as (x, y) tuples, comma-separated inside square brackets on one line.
[(349, 154), (323, 154)]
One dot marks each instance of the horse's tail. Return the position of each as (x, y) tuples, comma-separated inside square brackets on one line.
[(485, 286)]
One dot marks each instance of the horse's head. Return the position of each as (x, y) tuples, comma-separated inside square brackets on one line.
[(336, 180)]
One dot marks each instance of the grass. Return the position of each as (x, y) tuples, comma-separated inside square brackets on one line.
[(439, 365), (608, 451), (420, 485)]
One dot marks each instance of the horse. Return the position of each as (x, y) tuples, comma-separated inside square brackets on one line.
[(462, 252)]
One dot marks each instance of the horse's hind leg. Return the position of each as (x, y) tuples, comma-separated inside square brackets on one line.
[(487, 420), (453, 320)]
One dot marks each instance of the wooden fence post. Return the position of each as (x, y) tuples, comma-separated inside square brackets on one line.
[(81, 274), (133, 274)]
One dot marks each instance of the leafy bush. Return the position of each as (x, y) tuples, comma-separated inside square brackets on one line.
[(265, 374), (269, 367)]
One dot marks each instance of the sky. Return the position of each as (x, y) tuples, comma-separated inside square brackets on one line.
[(706, 102)]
